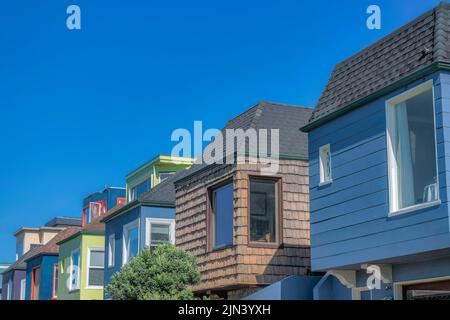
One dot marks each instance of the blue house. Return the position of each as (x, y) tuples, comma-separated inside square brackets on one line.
[(98, 203), (144, 222), (42, 268), (379, 168)]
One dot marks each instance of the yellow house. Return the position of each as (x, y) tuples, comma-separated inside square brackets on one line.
[(81, 261)]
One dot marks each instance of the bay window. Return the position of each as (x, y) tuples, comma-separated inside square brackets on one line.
[(264, 210), (413, 180), (130, 241), (75, 270), (221, 207), (96, 260), (159, 231)]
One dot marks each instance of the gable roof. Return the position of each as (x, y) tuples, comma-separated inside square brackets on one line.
[(52, 247), (419, 45)]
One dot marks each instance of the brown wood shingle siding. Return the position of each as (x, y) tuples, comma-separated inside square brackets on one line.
[(243, 264)]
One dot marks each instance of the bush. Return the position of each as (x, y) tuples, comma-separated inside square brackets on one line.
[(163, 273)]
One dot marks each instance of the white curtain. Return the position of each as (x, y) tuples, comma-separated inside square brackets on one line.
[(405, 176)]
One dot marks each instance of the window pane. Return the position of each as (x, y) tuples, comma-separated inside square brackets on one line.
[(142, 188), (160, 233), (133, 242), (75, 264), (414, 151), (97, 258), (95, 277), (263, 207), (164, 176), (325, 164), (111, 250), (223, 216)]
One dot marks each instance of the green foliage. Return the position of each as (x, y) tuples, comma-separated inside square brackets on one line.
[(163, 273)]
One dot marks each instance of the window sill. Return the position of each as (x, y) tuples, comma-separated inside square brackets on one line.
[(269, 245), (325, 183), (221, 248), (74, 290), (416, 207), (94, 288)]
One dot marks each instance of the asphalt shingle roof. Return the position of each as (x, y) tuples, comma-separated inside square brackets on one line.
[(416, 45), (267, 115)]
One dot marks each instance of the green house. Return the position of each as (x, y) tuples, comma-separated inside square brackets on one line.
[(80, 266), (153, 172)]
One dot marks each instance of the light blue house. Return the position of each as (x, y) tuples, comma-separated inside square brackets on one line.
[(144, 222), (379, 168)]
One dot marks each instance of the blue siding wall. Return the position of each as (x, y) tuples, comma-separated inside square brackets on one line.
[(115, 227), (349, 218), (46, 263), (113, 194), (108, 195)]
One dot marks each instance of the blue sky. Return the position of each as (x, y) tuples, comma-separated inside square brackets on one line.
[(80, 109)]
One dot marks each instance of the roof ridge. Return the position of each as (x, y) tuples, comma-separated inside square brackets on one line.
[(391, 34)]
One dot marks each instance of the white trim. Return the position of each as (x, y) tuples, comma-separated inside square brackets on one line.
[(416, 207), (111, 251), (88, 266), (77, 287), (9, 290), (126, 228), (322, 179), (392, 181), (398, 286), (150, 221), (23, 283)]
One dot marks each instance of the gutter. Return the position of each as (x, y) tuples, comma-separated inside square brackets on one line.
[(137, 203)]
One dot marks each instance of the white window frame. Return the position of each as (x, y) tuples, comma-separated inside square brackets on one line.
[(126, 229), (322, 179), (390, 124), (88, 266), (91, 204), (77, 286), (150, 221), (111, 250), (23, 283)]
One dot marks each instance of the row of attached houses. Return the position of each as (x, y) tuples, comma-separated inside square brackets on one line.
[(356, 209)]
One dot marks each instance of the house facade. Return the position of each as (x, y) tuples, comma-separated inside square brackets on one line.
[(151, 173), (98, 203), (29, 239), (379, 162), (248, 229), (41, 280), (80, 263), (145, 222)]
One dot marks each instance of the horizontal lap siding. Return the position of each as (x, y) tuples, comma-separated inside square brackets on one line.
[(349, 218)]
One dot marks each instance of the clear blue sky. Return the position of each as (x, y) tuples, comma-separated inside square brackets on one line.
[(81, 109)]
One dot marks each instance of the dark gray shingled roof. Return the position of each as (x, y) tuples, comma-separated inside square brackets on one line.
[(20, 264), (64, 222), (269, 115), (286, 118), (417, 45)]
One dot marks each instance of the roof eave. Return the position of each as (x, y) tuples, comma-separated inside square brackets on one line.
[(414, 76)]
